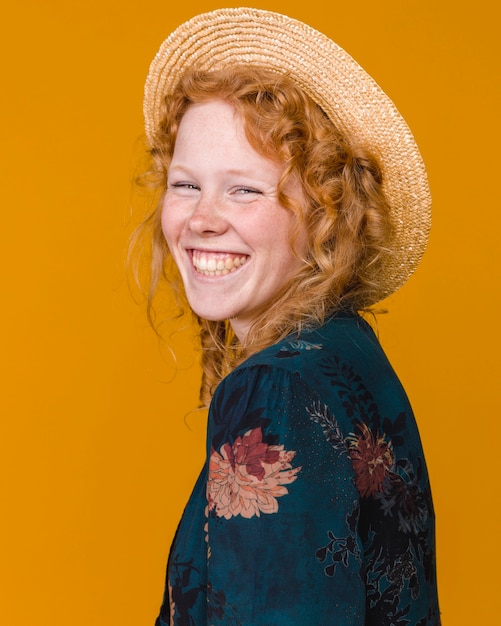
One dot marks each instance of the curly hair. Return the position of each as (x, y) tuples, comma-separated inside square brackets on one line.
[(344, 211)]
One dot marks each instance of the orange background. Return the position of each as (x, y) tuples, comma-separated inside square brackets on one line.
[(98, 447)]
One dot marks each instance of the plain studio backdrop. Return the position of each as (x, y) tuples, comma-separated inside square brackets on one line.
[(99, 444)]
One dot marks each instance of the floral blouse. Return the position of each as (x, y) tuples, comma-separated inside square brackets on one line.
[(314, 505)]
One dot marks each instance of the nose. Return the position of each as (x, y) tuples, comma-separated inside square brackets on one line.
[(207, 218)]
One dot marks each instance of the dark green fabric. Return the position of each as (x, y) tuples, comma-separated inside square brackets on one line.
[(314, 506)]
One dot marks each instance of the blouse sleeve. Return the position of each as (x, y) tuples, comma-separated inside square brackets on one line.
[(300, 529)]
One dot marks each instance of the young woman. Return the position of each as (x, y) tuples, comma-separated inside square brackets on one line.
[(293, 197)]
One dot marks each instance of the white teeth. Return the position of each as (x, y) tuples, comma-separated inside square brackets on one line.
[(220, 265)]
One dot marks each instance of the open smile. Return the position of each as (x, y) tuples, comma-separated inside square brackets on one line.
[(216, 263)]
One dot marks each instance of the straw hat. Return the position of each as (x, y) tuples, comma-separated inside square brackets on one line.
[(335, 81)]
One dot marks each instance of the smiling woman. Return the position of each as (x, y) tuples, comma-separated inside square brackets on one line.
[(293, 197), (327, 187)]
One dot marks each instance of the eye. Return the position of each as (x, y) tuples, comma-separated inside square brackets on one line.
[(247, 190), (184, 185)]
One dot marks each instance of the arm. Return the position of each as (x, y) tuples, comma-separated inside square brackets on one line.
[(283, 509), (314, 517)]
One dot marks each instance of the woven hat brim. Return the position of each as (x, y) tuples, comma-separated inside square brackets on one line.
[(336, 82)]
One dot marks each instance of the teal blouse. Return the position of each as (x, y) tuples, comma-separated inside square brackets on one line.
[(314, 505)]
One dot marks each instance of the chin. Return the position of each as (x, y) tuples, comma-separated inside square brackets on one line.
[(208, 315)]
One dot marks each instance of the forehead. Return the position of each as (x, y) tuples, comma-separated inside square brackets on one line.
[(216, 129), (213, 117)]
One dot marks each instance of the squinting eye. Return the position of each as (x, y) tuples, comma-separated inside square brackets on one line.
[(184, 186), (246, 190)]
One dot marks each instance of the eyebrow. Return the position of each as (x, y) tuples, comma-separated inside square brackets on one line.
[(231, 170), (249, 173)]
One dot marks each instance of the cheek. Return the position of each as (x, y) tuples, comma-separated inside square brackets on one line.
[(282, 244), (171, 226), (285, 256)]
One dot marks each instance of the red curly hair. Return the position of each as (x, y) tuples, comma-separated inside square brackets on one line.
[(344, 213)]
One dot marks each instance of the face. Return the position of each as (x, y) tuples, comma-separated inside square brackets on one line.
[(224, 226)]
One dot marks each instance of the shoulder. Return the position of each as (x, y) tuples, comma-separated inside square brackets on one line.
[(340, 359), (344, 346), (336, 373), (346, 334)]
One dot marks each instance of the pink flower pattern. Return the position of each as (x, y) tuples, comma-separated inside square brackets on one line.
[(246, 478)]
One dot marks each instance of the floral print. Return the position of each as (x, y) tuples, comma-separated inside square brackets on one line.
[(372, 458), (172, 604), (339, 549), (246, 478), (314, 505)]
